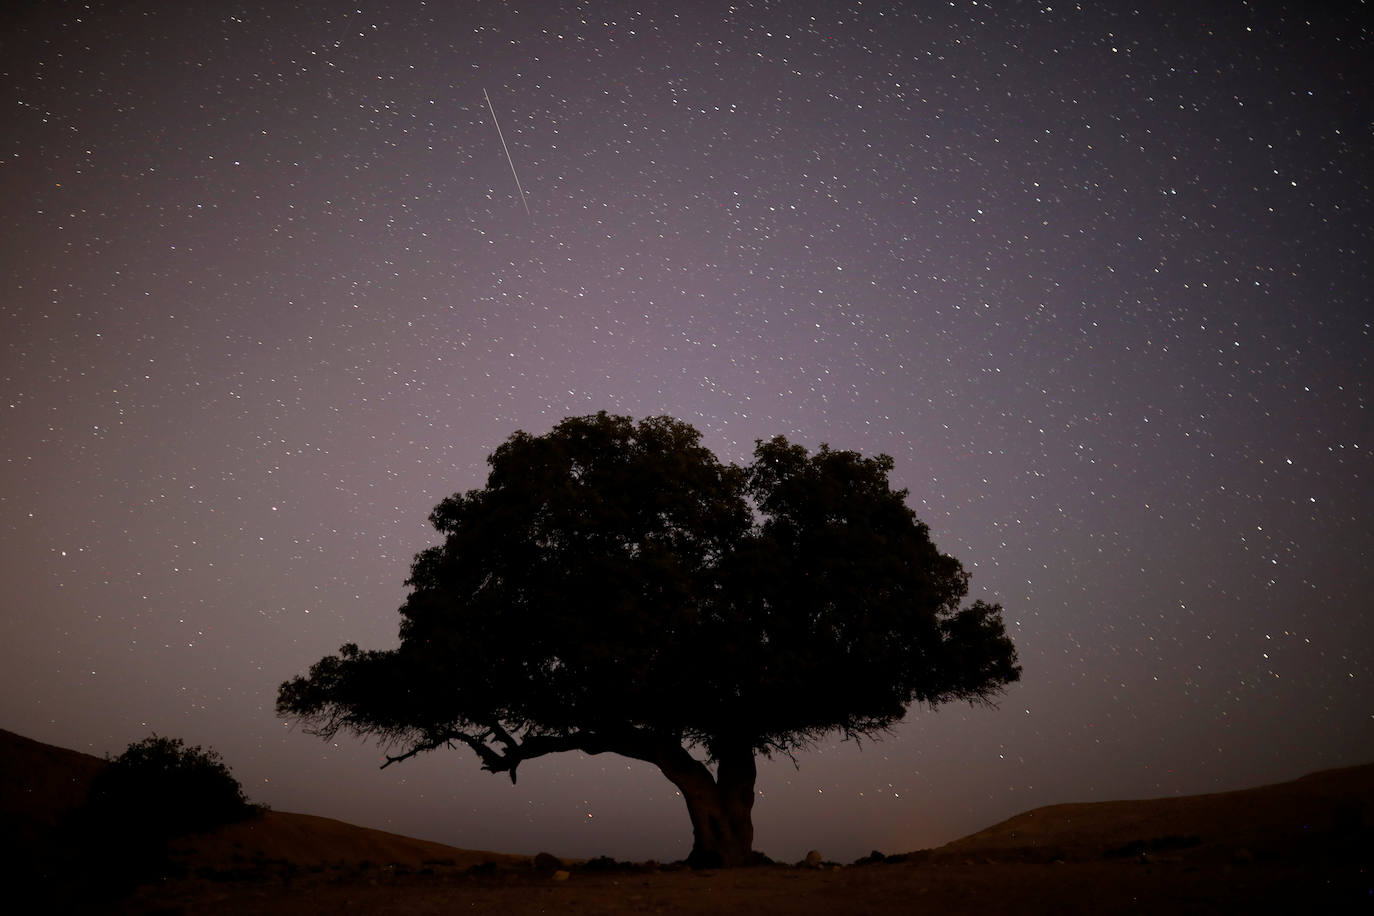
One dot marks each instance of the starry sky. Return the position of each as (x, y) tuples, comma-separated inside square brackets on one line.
[(1097, 276)]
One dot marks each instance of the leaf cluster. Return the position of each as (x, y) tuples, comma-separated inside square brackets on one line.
[(615, 578)]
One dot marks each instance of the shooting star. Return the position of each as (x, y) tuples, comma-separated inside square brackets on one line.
[(507, 149)]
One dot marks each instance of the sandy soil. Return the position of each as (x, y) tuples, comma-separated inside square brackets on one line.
[(309, 842), (1121, 887)]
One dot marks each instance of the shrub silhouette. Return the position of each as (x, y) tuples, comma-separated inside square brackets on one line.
[(158, 789), (167, 789)]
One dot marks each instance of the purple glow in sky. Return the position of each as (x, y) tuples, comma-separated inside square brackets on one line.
[(1097, 278)]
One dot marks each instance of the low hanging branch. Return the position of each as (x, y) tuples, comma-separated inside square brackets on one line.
[(516, 751), (435, 744)]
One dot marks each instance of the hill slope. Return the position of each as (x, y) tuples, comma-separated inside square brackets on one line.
[(40, 783), (1322, 814)]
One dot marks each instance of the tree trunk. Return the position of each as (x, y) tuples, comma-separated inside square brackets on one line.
[(720, 807)]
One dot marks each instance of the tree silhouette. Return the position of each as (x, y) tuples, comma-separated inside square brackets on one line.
[(615, 588)]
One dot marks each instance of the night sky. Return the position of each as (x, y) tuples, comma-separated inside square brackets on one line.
[(1098, 278)]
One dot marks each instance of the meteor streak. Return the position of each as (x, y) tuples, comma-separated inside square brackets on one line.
[(507, 149)]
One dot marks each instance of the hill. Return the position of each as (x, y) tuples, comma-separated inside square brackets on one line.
[(39, 784), (1320, 815)]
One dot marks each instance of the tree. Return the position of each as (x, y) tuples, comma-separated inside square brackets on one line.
[(615, 588)]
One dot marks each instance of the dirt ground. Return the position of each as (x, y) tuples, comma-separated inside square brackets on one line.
[(1023, 889)]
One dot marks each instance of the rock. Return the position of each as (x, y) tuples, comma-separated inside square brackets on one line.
[(547, 862), (561, 875), (813, 859)]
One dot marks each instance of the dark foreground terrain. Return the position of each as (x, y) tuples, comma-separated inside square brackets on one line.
[(1302, 846)]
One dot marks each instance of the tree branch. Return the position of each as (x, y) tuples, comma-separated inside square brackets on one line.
[(514, 751), (420, 748)]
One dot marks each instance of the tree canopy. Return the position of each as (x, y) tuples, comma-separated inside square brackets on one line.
[(616, 588)]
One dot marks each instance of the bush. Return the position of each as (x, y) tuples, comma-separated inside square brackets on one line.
[(158, 789), (168, 789)]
